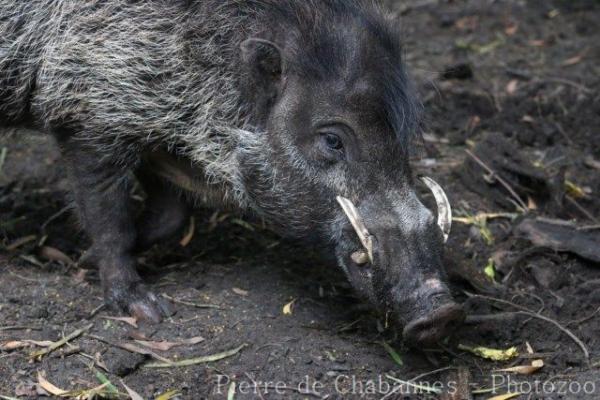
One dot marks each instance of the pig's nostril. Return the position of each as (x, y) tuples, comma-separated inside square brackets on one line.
[(435, 326)]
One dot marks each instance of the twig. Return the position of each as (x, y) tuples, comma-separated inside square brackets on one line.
[(349, 326), (3, 153), (484, 216), (40, 281), (198, 360), (478, 319), (528, 312), (564, 135), (490, 171), (582, 320), (96, 311), (582, 209), (588, 228), (189, 303), (19, 328), (20, 242), (53, 217), (133, 349), (576, 85), (39, 354)]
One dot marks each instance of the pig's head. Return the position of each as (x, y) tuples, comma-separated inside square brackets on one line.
[(335, 112)]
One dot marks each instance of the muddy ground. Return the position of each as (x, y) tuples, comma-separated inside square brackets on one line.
[(523, 71)]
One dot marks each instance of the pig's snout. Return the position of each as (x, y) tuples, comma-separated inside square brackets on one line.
[(427, 312), (399, 262), (434, 326)]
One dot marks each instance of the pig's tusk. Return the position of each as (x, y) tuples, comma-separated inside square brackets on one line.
[(357, 223), (443, 205)]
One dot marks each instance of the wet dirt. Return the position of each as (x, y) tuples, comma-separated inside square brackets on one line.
[(526, 72)]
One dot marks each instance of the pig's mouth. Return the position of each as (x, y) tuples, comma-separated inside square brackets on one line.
[(431, 328), (440, 315)]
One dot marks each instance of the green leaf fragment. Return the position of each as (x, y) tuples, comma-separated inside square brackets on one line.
[(393, 353)]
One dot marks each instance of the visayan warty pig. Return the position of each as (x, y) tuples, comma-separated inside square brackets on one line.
[(297, 111)]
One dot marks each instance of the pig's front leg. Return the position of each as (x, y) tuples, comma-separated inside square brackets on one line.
[(101, 191), (165, 212)]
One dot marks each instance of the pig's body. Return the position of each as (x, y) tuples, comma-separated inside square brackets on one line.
[(269, 106), (127, 77)]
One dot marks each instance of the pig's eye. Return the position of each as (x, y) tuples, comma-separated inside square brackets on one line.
[(332, 142)]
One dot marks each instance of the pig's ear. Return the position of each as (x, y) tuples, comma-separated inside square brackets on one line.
[(264, 60)]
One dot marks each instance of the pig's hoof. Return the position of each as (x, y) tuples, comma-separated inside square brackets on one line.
[(143, 305)]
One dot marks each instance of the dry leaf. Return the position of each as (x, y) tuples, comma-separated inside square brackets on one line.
[(287, 309), (198, 360), (467, 23), (537, 43), (137, 335), (473, 123), (166, 346), (239, 291), (525, 369), (135, 349), (573, 60), (189, 234), (40, 343), (13, 345), (529, 348), (505, 396), (132, 393), (573, 190), (26, 389), (80, 275), (98, 361), (48, 387), (511, 28), (590, 162), (231, 391), (531, 204), (192, 341), (37, 355), (53, 254), (20, 242), (128, 320), (168, 395), (492, 354), (511, 88), (528, 118)]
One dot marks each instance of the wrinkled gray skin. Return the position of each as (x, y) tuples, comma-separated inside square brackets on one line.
[(272, 107)]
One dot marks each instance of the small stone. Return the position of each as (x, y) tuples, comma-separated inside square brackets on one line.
[(121, 362), (547, 276)]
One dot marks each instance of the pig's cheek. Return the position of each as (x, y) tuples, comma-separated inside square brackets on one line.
[(362, 280)]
